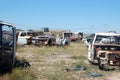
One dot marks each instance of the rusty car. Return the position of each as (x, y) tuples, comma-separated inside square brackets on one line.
[(41, 40), (104, 50)]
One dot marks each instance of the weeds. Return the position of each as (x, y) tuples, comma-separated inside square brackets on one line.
[(49, 63), (19, 74)]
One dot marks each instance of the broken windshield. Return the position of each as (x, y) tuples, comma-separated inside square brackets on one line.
[(107, 39), (6, 41)]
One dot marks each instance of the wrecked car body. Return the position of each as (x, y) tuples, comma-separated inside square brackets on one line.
[(43, 40), (23, 38), (104, 49), (86, 41), (69, 35), (7, 46), (64, 39)]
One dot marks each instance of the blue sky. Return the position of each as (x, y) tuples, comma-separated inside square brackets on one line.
[(76, 15)]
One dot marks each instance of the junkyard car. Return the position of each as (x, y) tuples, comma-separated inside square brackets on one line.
[(104, 49), (43, 40), (24, 38), (7, 46)]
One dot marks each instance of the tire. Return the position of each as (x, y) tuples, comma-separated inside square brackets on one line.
[(101, 66)]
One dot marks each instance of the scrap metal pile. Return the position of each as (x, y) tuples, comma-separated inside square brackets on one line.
[(45, 38)]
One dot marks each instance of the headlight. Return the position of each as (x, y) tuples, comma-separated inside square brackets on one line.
[(111, 62)]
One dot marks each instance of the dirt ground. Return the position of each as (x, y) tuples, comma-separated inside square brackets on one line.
[(114, 76)]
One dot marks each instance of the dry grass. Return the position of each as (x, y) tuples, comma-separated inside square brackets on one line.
[(49, 63)]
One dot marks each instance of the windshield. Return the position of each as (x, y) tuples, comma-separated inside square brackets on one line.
[(107, 39), (6, 37)]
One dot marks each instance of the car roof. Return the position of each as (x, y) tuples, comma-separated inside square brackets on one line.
[(3, 23), (108, 34)]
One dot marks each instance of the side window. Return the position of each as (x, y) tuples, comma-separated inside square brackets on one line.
[(92, 38), (23, 34), (98, 38), (119, 40), (7, 36)]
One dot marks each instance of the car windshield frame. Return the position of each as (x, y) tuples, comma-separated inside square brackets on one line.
[(104, 39)]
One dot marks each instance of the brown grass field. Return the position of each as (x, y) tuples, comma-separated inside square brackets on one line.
[(49, 63)]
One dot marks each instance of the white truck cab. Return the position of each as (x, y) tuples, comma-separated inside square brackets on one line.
[(24, 38), (104, 49)]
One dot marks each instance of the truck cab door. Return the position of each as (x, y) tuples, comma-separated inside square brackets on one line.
[(91, 48), (7, 47), (89, 51)]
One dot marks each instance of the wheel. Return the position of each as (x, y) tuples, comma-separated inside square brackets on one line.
[(100, 65)]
